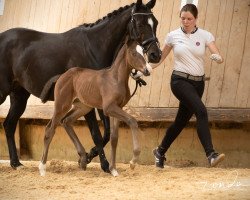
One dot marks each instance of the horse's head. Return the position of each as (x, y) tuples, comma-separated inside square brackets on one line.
[(135, 58), (142, 28)]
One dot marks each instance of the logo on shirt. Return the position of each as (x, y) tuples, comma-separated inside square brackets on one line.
[(198, 44)]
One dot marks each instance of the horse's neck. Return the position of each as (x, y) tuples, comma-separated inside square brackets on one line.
[(120, 67), (105, 39), (112, 33)]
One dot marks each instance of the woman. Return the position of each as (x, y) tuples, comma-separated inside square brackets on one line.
[(187, 82)]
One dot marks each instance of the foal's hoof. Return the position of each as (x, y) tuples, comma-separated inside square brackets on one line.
[(132, 164), (16, 164), (42, 169), (105, 166), (114, 172), (82, 163)]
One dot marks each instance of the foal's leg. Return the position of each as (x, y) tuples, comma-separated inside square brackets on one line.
[(49, 134), (117, 112), (62, 106), (114, 124), (68, 122), (106, 136)]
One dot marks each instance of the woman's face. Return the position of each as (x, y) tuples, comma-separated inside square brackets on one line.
[(188, 20)]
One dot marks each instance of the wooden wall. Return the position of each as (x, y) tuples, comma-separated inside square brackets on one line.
[(228, 20)]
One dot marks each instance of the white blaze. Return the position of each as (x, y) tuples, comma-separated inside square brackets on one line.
[(139, 49), (150, 22)]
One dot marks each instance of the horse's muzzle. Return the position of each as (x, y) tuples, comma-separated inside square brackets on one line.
[(147, 70), (154, 57)]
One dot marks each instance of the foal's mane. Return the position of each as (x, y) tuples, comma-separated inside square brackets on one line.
[(108, 16)]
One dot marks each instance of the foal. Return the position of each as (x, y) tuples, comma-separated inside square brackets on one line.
[(105, 89)]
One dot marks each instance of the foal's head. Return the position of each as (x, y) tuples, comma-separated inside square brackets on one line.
[(135, 58)]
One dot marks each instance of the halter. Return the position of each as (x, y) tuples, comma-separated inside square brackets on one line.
[(145, 44)]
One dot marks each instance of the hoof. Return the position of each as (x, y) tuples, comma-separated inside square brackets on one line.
[(42, 169), (82, 163), (105, 166), (16, 165), (92, 154), (114, 172), (132, 164), (88, 158), (20, 167)]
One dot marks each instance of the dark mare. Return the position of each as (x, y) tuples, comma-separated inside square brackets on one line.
[(28, 59)]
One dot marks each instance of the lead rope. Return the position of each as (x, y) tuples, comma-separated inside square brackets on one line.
[(136, 86)]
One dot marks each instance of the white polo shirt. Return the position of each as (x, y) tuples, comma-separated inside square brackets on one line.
[(189, 50)]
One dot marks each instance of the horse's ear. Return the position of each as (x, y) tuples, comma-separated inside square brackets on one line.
[(151, 4), (138, 3)]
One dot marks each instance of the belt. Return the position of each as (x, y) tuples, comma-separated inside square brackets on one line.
[(188, 76)]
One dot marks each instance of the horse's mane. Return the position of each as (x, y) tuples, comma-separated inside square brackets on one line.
[(108, 16)]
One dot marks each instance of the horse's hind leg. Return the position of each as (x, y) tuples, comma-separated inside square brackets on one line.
[(49, 133), (18, 102), (61, 107), (106, 136)]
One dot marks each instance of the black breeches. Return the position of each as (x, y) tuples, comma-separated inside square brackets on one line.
[(189, 93)]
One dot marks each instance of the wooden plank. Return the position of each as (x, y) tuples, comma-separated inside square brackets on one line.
[(212, 16), (173, 102), (145, 94), (92, 14), (21, 17), (8, 16), (32, 14), (157, 75), (53, 23), (202, 11), (235, 52), (145, 114), (243, 90), (41, 15), (167, 65), (64, 20), (222, 37), (114, 5), (104, 8)]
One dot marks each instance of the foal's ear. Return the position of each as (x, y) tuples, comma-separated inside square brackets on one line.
[(151, 4)]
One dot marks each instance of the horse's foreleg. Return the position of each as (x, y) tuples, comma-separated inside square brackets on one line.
[(114, 124), (67, 122), (106, 136), (97, 138), (117, 112), (106, 123), (18, 102)]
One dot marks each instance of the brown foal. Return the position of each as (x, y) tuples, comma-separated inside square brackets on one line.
[(105, 89)]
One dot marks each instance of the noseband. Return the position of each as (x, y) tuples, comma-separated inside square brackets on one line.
[(145, 44)]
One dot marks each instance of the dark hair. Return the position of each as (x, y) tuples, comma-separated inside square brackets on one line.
[(191, 8)]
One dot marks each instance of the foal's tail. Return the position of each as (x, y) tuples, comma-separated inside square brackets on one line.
[(48, 89)]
